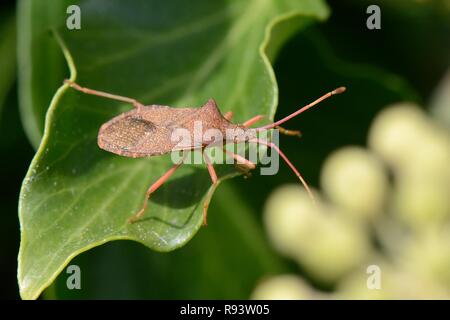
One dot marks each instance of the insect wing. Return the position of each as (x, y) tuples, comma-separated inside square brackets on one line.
[(133, 136)]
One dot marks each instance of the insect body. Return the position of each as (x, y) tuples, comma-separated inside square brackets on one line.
[(149, 131)]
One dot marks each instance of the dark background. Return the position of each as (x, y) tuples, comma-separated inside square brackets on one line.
[(412, 44)]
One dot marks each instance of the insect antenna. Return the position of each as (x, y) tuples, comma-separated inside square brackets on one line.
[(296, 113), (289, 163)]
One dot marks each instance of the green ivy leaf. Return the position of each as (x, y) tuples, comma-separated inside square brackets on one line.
[(224, 261), (40, 61), (76, 196)]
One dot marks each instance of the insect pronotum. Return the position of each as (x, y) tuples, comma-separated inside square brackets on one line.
[(145, 131)]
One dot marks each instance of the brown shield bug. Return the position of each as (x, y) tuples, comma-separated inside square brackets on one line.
[(146, 131)]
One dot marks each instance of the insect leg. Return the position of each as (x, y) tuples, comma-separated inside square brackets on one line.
[(274, 146), (253, 120), (214, 180), (282, 130), (74, 85), (241, 160), (228, 115), (242, 164), (295, 133), (152, 189)]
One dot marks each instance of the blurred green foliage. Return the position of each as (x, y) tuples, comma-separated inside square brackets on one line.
[(370, 236), (378, 67)]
